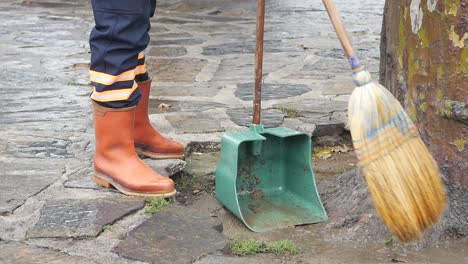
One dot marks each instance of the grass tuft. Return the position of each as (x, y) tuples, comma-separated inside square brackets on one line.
[(284, 247), (155, 205), (289, 111), (247, 247)]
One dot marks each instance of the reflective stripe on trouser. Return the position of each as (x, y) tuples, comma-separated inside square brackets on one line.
[(117, 40)]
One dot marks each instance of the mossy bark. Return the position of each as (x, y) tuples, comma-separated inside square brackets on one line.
[(424, 63)]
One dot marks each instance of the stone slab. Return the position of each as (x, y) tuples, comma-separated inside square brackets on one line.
[(241, 68), (177, 235), (166, 168), (203, 164), (192, 107), (22, 178), (81, 218), (243, 117), (166, 20), (218, 27), (271, 46), (83, 179), (343, 87), (271, 91), (175, 70), (172, 35), (182, 42), (187, 89), (189, 123), (18, 253), (167, 51), (259, 259), (315, 106)]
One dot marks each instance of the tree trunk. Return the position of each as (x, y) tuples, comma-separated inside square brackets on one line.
[(424, 63)]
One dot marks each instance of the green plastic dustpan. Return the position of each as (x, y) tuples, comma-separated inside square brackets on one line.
[(264, 176)]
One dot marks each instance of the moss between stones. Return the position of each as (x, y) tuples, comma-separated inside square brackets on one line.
[(244, 247), (289, 111), (155, 205)]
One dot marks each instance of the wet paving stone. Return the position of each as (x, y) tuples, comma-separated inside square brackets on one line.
[(243, 117), (22, 178), (166, 20), (26, 147), (18, 253), (192, 107), (183, 42), (271, 46), (174, 35), (158, 29), (339, 88), (203, 164), (271, 91), (177, 235), (175, 70), (189, 123), (219, 27), (186, 89), (81, 218), (167, 51), (316, 106), (216, 18), (241, 69)]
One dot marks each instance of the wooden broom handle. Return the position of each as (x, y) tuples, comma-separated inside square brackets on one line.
[(257, 104), (339, 27)]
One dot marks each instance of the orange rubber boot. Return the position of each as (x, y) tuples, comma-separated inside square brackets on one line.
[(148, 141), (116, 162)]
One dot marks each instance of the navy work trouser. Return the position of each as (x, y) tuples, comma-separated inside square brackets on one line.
[(117, 42)]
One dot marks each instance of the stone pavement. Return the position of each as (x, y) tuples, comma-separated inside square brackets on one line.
[(201, 60)]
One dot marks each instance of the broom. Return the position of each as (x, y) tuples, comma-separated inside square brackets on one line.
[(402, 177)]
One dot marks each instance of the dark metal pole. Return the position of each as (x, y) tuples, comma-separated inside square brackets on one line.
[(257, 106)]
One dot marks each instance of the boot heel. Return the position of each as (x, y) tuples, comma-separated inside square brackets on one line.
[(101, 182)]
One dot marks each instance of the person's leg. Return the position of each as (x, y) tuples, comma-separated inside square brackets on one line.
[(116, 41), (148, 141)]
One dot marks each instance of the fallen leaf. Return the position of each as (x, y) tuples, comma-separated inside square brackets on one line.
[(164, 106), (342, 149), (323, 153), (303, 47)]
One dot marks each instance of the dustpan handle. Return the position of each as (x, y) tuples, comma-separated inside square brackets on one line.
[(257, 103)]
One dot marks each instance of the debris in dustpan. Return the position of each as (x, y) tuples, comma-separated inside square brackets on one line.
[(254, 208), (257, 195), (273, 160), (341, 149)]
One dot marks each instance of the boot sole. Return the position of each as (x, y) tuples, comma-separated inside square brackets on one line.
[(107, 182), (158, 156)]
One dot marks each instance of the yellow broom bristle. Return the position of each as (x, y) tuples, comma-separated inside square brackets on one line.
[(402, 177)]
